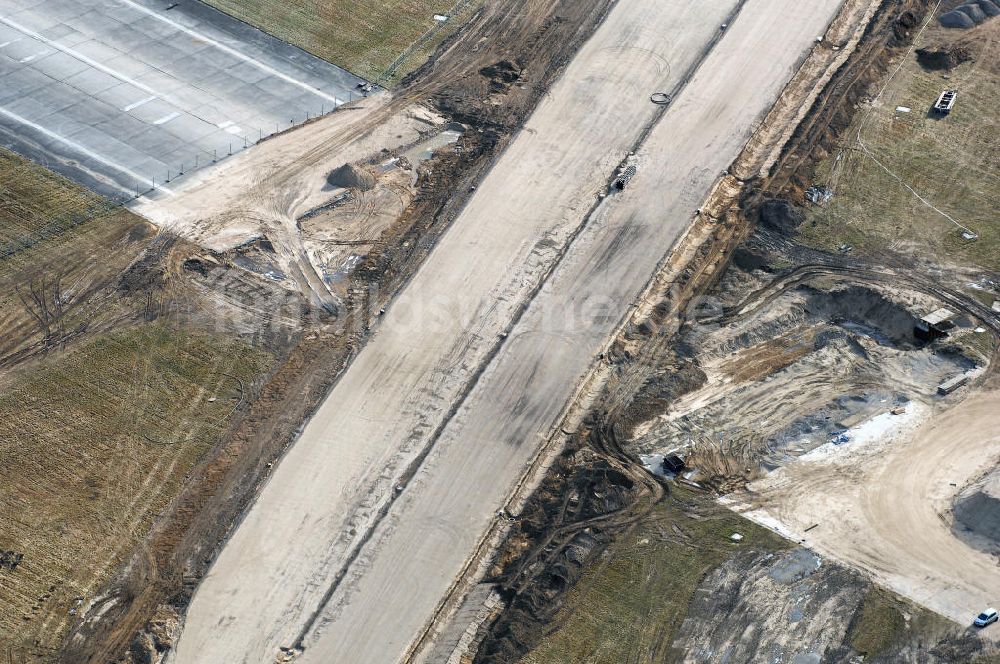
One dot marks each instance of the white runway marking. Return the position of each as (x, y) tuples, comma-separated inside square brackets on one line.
[(79, 148), (79, 56), (137, 104), (230, 127), (33, 56), (167, 118), (233, 52), (124, 78)]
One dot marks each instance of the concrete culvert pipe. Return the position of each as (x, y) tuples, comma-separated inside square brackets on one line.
[(974, 12), (989, 7), (661, 98), (956, 19)]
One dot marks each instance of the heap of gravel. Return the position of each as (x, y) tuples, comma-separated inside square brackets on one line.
[(989, 7), (351, 177), (973, 11), (956, 19)]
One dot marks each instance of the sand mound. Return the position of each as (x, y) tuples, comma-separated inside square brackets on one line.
[(978, 508), (351, 177), (956, 19)]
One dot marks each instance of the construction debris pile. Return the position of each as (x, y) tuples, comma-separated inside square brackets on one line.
[(9, 560)]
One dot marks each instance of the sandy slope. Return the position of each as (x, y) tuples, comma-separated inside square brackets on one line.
[(885, 506)]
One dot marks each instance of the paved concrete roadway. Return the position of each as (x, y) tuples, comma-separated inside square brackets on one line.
[(120, 92), (318, 509)]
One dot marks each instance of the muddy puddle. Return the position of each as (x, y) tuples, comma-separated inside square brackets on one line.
[(425, 149), (260, 266), (341, 272)]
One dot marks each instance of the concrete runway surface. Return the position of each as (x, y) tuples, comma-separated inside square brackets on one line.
[(331, 555), (115, 94)]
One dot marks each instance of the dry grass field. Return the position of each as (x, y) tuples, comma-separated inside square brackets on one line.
[(362, 36), (953, 162), (94, 443), (62, 250), (629, 606), (36, 205), (103, 411)]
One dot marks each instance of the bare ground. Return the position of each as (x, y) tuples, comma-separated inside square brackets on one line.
[(115, 384), (537, 39), (159, 580), (758, 354), (884, 505)]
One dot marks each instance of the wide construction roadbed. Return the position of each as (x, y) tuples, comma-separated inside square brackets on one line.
[(334, 555)]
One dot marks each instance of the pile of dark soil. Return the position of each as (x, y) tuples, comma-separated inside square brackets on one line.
[(9, 560), (943, 58), (780, 215), (978, 509), (970, 14), (148, 273), (660, 390), (502, 75)]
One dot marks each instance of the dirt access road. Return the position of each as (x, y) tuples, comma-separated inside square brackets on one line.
[(885, 505), (332, 556)]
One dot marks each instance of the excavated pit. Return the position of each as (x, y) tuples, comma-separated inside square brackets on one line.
[(977, 512), (864, 311)]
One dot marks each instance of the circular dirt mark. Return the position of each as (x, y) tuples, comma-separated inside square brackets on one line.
[(607, 65)]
